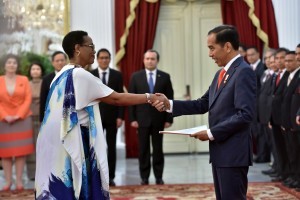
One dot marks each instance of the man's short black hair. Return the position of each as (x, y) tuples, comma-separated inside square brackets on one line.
[(154, 51), (291, 53), (103, 50), (281, 49), (56, 53), (226, 33)]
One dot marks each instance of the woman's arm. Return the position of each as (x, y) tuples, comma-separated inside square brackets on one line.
[(127, 99)]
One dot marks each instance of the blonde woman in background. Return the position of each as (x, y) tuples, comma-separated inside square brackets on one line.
[(15, 121), (36, 72)]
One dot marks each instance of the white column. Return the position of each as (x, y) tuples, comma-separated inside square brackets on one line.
[(287, 15), (97, 18)]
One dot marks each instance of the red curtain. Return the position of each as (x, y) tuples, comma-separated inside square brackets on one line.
[(235, 12), (140, 38)]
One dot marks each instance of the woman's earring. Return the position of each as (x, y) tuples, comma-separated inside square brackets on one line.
[(78, 53)]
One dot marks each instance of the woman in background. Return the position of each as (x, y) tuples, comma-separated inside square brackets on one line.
[(15, 121), (36, 72)]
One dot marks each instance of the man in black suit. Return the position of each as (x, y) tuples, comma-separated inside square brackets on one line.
[(147, 119), (276, 116), (111, 116), (291, 131), (59, 60), (258, 67)]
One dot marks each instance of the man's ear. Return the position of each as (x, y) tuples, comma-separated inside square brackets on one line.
[(228, 47)]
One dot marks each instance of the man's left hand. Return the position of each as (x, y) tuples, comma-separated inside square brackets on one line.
[(202, 135)]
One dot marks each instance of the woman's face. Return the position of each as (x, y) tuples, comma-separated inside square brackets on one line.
[(35, 71), (87, 51), (11, 65)]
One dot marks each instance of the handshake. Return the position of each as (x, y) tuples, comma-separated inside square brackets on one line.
[(159, 101)]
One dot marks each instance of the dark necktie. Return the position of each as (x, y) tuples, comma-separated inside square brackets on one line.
[(221, 75), (278, 78), (151, 82), (104, 77)]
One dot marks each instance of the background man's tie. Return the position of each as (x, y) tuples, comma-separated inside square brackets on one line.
[(151, 83), (104, 78)]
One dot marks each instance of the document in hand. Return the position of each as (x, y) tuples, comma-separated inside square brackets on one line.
[(188, 131)]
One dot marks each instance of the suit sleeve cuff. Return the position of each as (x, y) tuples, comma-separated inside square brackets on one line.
[(210, 136)]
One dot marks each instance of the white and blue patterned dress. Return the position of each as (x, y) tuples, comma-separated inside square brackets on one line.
[(71, 148)]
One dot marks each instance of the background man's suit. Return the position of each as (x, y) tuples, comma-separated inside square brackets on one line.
[(282, 165), (231, 110), (290, 132), (150, 122), (109, 115), (45, 88)]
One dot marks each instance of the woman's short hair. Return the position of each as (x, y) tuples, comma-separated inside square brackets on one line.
[(71, 39)]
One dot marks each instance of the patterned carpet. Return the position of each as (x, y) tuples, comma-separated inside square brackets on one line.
[(256, 191)]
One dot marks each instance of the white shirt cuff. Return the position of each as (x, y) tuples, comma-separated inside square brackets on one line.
[(210, 136), (171, 107)]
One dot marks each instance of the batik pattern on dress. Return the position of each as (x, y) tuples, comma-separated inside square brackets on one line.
[(71, 161)]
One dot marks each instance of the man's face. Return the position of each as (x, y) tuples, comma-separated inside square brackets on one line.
[(216, 51), (150, 60), (103, 60), (59, 61), (273, 65), (279, 60), (252, 55), (267, 59), (298, 55), (290, 62)]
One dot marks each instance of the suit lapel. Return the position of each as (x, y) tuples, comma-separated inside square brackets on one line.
[(144, 81), (157, 81), (225, 80)]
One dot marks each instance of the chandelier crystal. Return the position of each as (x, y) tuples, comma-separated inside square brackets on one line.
[(35, 14)]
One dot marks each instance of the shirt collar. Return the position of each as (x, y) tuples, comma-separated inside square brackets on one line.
[(153, 71), (292, 74), (230, 62)]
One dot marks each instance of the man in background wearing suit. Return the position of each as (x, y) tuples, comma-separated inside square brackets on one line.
[(290, 130), (262, 153), (111, 116), (147, 119), (230, 103), (59, 60), (276, 116)]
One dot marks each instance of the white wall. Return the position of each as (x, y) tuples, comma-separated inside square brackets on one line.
[(97, 18), (287, 15)]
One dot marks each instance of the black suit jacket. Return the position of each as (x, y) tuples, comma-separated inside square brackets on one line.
[(145, 114), (290, 104), (259, 71), (45, 88), (277, 100), (265, 100), (110, 113)]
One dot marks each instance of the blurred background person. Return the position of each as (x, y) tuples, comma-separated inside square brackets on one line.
[(290, 104), (59, 60), (111, 116), (36, 72), (276, 115), (258, 67), (242, 50), (147, 119), (16, 140)]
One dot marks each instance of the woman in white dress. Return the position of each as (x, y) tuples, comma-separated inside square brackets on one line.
[(71, 148)]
